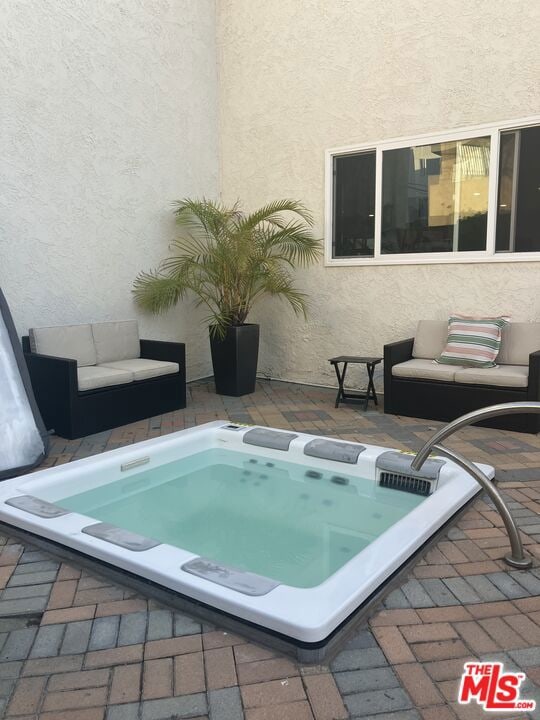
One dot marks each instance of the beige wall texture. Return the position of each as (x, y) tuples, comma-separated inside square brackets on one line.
[(300, 76), (108, 113)]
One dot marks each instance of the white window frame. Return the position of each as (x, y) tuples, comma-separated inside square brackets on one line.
[(485, 256)]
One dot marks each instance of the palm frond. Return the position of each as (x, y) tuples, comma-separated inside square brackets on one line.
[(156, 293), (278, 282), (204, 216), (272, 214), (229, 260), (293, 241)]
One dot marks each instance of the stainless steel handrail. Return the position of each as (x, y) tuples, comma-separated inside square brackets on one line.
[(513, 408), (517, 557)]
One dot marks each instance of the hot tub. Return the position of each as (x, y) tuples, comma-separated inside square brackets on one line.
[(286, 531)]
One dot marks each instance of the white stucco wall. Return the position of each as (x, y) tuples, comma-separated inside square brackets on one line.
[(108, 114), (300, 76)]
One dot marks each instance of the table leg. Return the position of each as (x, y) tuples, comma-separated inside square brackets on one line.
[(371, 393), (341, 380)]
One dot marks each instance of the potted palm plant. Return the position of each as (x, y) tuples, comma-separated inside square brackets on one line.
[(228, 260)]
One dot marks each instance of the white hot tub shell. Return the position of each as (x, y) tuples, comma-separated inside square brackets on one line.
[(304, 615)]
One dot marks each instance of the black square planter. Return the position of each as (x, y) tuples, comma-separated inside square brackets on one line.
[(234, 359)]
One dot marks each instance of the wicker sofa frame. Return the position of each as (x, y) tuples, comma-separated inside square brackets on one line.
[(72, 413), (438, 400)]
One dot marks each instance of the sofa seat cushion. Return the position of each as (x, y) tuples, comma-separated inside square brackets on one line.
[(116, 341), (91, 378), (66, 341), (143, 369), (501, 376), (425, 370)]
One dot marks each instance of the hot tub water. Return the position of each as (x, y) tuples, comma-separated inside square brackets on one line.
[(294, 524)]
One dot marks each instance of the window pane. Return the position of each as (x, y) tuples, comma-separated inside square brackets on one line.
[(518, 211), (354, 205), (435, 197)]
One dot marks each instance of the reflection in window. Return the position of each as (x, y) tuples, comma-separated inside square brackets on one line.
[(435, 197), (518, 207), (354, 205)]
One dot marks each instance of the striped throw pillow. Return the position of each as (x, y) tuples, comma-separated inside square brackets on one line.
[(472, 342)]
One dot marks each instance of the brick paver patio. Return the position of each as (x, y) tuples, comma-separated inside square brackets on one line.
[(75, 646)]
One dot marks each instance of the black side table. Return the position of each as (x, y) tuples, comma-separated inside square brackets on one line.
[(348, 396)]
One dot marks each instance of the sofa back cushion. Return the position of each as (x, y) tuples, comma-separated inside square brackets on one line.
[(116, 341), (430, 339), (67, 341), (518, 341)]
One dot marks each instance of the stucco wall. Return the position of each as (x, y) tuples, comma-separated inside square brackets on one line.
[(108, 114), (300, 76)]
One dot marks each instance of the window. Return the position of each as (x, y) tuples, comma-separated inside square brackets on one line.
[(518, 209), (435, 197), (474, 196), (354, 205)]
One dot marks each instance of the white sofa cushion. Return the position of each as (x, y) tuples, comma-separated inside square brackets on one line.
[(116, 341), (518, 341), (67, 341), (143, 369), (423, 369), (90, 378), (502, 376), (430, 339)]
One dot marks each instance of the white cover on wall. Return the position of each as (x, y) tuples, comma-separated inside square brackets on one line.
[(20, 439)]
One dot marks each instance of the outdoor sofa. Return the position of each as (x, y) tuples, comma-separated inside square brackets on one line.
[(89, 378), (415, 386)]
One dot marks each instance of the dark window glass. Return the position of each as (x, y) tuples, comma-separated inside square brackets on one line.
[(518, 206), (354, 205), (435, 197)]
